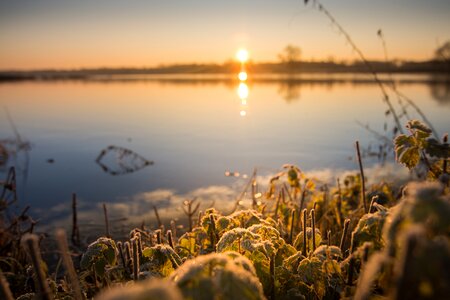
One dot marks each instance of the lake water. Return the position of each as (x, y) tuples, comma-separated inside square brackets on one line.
[(194, 129)]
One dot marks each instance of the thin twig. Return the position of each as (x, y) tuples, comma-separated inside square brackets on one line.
[(75, 229), (363, 58)]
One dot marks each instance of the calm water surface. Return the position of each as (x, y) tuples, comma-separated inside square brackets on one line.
[(193, 129)]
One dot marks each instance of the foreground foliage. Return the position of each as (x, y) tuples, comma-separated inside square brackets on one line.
[(300, 241)]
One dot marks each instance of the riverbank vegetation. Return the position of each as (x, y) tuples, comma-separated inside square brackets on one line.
[(298, 240)]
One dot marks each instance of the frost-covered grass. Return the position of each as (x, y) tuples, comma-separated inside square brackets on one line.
[(300, 240)]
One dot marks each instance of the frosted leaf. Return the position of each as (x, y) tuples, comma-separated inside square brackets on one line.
[(298, 241), (99, 254), (370, 229), (324, 252), (153, 289), (218, 276)]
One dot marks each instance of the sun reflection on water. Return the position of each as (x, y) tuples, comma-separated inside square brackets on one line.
[(242, 90)]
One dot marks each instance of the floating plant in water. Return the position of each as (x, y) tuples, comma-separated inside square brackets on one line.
[(119, 161)]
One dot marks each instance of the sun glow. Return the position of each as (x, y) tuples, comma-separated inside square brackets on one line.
[(242, 76), (242, 55)]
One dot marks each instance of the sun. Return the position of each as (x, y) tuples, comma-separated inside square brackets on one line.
[(242, 55)]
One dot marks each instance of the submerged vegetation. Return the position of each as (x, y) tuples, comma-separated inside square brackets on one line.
[(299, 241)]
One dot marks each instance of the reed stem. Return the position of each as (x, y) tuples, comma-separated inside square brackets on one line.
[(313, 225), (291, 233), (135, 259), (68, 263), (75, 229), (344, 234), (30, 241), (105, 213), (363, 183), (304, 231)]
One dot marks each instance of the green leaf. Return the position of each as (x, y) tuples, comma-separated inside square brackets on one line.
[(110, 255), (421, 128), (99, 267), (407, 151), (161, 260), (310, 270), (99, 254), (293, 178)]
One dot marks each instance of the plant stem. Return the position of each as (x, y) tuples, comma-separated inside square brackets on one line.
[(31, 243), (344, 234), (135, 259), (214, 235), (444, 164), (75, 229), (372, 203), (286, 190), (313, 225), (122, 257), (363, 58), (292, 226), (173, 228), (5, 291), (105, 212), (304, 231), (275, 214), (157, 216), (254, 186), (363, 184), (302, 198), (199, 221), (170, 239), (128, 252), (68, 263), (339, 204)]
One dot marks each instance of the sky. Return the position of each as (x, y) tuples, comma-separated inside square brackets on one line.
[(67, 34)]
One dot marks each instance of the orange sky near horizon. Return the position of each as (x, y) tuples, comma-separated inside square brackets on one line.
[(70, 35)]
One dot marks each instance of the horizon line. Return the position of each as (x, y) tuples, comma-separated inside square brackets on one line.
[(228, 62)]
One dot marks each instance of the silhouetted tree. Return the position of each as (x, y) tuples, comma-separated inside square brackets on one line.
[(290, 56), (443, 52)]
